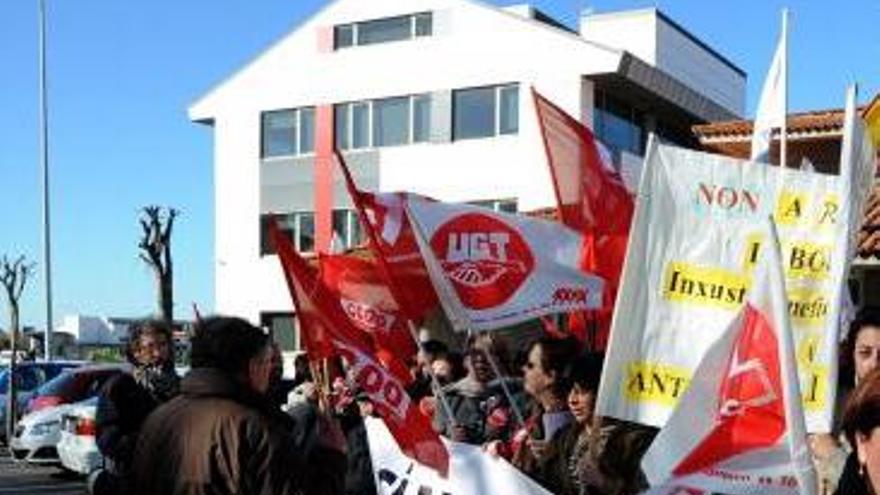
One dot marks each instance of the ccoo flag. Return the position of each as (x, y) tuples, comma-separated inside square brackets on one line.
[(739, 428)]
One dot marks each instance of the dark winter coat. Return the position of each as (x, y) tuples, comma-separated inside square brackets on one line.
[(123, 406), (606, 464), (219, 438)]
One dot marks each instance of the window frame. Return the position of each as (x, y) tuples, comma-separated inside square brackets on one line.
[(347, 108), (297, 135), (348, 242), (355, 28), (496, 110)]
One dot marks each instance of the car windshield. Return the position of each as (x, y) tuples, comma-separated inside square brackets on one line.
[(4, 380), (77, 385)]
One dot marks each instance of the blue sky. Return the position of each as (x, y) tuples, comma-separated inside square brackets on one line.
[(123, 73)]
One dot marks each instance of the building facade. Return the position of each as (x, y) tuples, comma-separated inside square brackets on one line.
[(434, 97)]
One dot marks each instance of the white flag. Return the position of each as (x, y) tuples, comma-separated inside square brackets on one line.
[(493, 269), (772, 105), (739, 428), (471, 471)]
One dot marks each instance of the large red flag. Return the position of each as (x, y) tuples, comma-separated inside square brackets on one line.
[(321, 315), (391, 240), (591, 198)]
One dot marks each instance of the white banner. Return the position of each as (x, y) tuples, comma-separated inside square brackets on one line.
[(739, 428), (692, 248), (494, 269), (471, 471)]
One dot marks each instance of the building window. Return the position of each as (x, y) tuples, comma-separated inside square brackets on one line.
[(341, 134), (424, 24), (282, 328), (343, 36), (307, 130), (288, 132), (500, 205), (360, 125), (384, 122), (385, 30), (421, 118), (299, 227), (618, 124), (508, 110), (485, 112), (391, 121)]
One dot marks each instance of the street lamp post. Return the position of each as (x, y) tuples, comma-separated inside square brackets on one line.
[(44, 168)]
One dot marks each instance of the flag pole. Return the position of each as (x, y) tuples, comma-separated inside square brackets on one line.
[(783, 131), (44, 168)]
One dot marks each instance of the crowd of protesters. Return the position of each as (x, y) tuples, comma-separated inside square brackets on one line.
[(233, 426)]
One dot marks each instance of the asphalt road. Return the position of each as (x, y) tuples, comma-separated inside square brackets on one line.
[(23, 479)]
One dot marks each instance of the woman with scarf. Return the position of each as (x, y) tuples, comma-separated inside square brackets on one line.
[(127, 399)]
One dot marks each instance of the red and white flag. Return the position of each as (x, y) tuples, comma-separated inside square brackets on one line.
[(739, 428), (321, 316), (497, 269)]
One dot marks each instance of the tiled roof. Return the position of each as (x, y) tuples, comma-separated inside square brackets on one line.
[(806, 122), (869, 236)]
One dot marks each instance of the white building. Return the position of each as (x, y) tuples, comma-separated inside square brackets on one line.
[(94, 330), (433, 96)]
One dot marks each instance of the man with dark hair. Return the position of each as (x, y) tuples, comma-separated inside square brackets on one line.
[(126, 400), (222, 436)]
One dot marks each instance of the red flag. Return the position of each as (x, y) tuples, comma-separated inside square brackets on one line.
[(366, 299), (751, 413), (323, 319), (391, 240), (592, 199)]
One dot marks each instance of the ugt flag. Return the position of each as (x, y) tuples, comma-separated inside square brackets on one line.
[(495, 269), (739, 428)]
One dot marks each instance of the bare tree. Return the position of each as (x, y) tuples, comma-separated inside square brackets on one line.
[(155, 245), (13, 276)]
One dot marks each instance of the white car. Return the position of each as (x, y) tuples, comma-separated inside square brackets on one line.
[(37, 434), (77, 448)]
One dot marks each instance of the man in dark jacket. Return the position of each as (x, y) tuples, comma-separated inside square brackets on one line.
[(126, 400), (222, 436)]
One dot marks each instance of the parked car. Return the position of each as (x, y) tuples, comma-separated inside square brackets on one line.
[(37, 434), (73, 386), (77, 448), (29, 375)]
